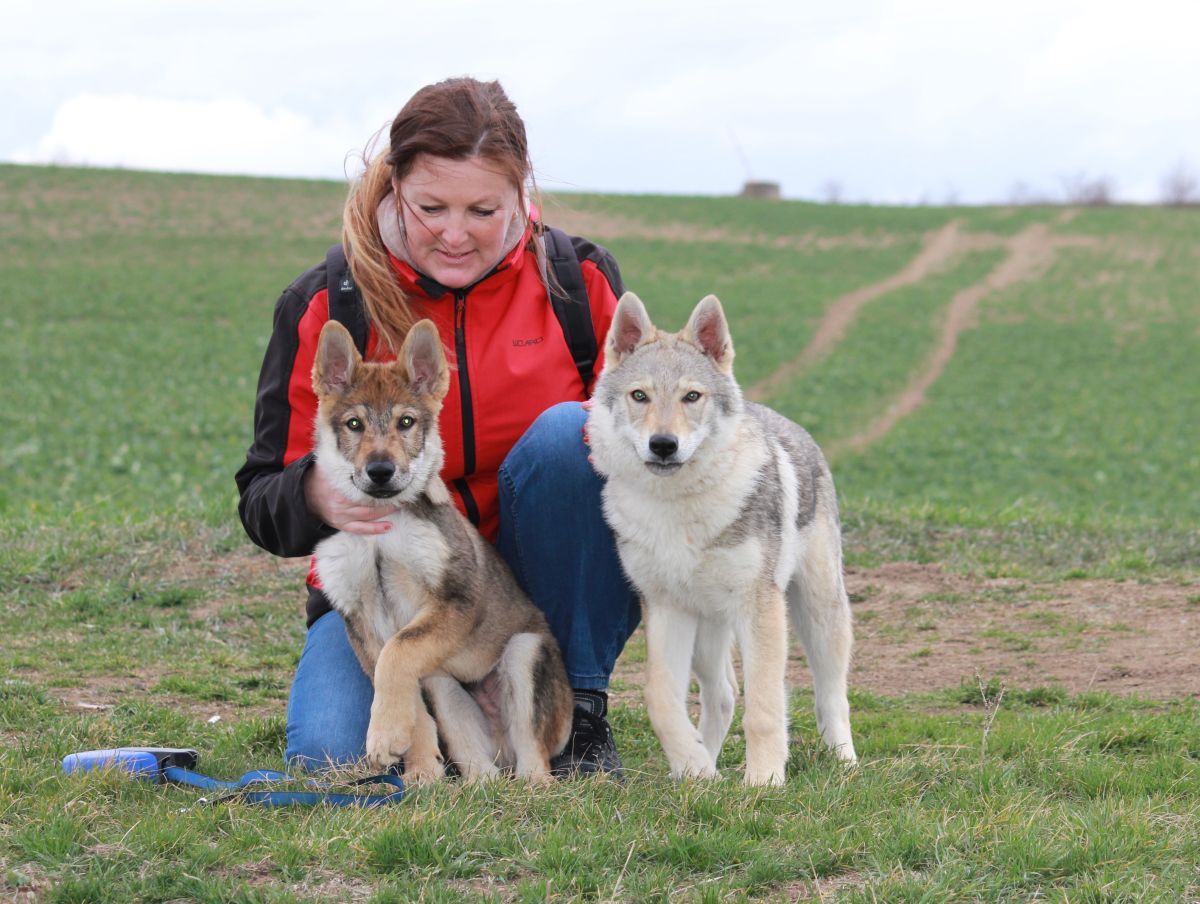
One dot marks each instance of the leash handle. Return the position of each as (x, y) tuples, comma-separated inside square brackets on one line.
[(177, 765), (140, 762)]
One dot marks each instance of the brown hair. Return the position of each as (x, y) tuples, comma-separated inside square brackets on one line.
[(458, 119)]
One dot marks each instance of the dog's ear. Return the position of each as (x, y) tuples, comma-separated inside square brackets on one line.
[(423, 362), (336, 361), (708, 331), (630, 328)]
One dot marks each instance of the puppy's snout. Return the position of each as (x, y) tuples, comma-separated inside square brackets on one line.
[(664, 445), (381, 472)]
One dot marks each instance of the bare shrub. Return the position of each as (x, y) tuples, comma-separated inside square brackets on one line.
[(1180, 187), (1086, 191), (831, 191)]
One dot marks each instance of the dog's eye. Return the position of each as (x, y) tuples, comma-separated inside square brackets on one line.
[(638, 396), (692, 396), (354, 424), (407, 421)]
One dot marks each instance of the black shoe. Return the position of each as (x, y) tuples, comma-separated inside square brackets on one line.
[(590, 748)]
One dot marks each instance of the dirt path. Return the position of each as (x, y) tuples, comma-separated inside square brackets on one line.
[(940, 250), (606, 227), (1030, 253)]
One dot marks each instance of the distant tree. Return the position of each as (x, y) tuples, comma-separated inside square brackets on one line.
[(1180, 187), (1086, 191), (831, 191)]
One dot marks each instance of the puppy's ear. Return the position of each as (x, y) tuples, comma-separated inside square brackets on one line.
[(708, 331), (336, 361), (423, 362), (631, 327)]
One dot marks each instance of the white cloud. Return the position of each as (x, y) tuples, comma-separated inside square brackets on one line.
[(895, 99), (214, 136)]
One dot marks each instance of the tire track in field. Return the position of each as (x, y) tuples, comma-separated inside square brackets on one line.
[(940, 250), (1030, 253)]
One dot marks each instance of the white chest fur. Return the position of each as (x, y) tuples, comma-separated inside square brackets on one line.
[(382, 578), (667, 534)]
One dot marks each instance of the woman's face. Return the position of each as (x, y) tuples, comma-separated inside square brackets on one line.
[(456, 214)]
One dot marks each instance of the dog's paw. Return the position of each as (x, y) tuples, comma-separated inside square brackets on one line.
[(537, 779), (697, 764), (759, 776), (386, 748), (424, 770)]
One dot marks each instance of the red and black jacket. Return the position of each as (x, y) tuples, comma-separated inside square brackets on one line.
[(510, 362)]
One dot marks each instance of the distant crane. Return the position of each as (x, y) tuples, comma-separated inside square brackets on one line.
[(753, 188)]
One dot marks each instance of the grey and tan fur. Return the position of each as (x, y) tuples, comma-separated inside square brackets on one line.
[(429, 605), (726, 522)]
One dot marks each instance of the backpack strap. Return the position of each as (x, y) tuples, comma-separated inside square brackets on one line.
[(345, 304), (569, 298)]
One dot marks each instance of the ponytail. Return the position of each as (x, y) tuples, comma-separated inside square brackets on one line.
[(387, 306)]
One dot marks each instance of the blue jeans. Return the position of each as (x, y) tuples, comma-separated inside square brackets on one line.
[(553, 537)]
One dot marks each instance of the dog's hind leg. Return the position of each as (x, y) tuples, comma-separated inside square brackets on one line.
[(463, 728), (670, 638), (713, 664), (423, 759), (525, 731), (820, 611)]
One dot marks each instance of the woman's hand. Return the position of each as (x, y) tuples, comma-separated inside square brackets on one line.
[(340, 513)]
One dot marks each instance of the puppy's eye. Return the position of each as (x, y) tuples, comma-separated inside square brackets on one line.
[(354, 424), (407, 421), (638, 396), (692, 396)]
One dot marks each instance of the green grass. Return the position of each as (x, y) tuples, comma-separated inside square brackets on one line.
[(1060, 443), (1064, 796)]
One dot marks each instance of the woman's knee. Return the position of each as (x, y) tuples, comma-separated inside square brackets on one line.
[(553, 444), (330, 701)]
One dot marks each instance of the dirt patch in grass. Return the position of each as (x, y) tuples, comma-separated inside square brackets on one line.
[(919, 628), (101, 694), (819, 889), (24, 884)]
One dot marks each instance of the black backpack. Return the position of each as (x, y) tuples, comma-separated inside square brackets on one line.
[(568, 296)]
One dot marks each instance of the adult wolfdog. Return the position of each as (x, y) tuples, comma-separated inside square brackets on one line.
[(726, 521)]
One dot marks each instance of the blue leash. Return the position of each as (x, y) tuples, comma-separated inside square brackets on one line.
[(239, 790), (169, 764)]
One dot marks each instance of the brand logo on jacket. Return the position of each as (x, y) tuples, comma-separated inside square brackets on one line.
[(521, 343)]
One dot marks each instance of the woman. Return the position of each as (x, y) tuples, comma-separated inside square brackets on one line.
[(440, 227)]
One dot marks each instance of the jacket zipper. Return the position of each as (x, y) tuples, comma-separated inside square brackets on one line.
[(468, 413)]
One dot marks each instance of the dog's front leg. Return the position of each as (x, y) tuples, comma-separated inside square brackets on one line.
[(414, 652), (670, 636), (764, 661)]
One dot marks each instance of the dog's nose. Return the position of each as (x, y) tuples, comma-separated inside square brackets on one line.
[(380, 472), (664, 445)]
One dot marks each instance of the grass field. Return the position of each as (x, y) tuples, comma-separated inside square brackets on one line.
[(1009, 399)]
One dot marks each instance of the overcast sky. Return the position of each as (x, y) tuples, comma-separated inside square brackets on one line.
[(905, 101)]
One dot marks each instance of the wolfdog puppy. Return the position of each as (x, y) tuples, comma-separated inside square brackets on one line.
[(429, 604), (726, 520)]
